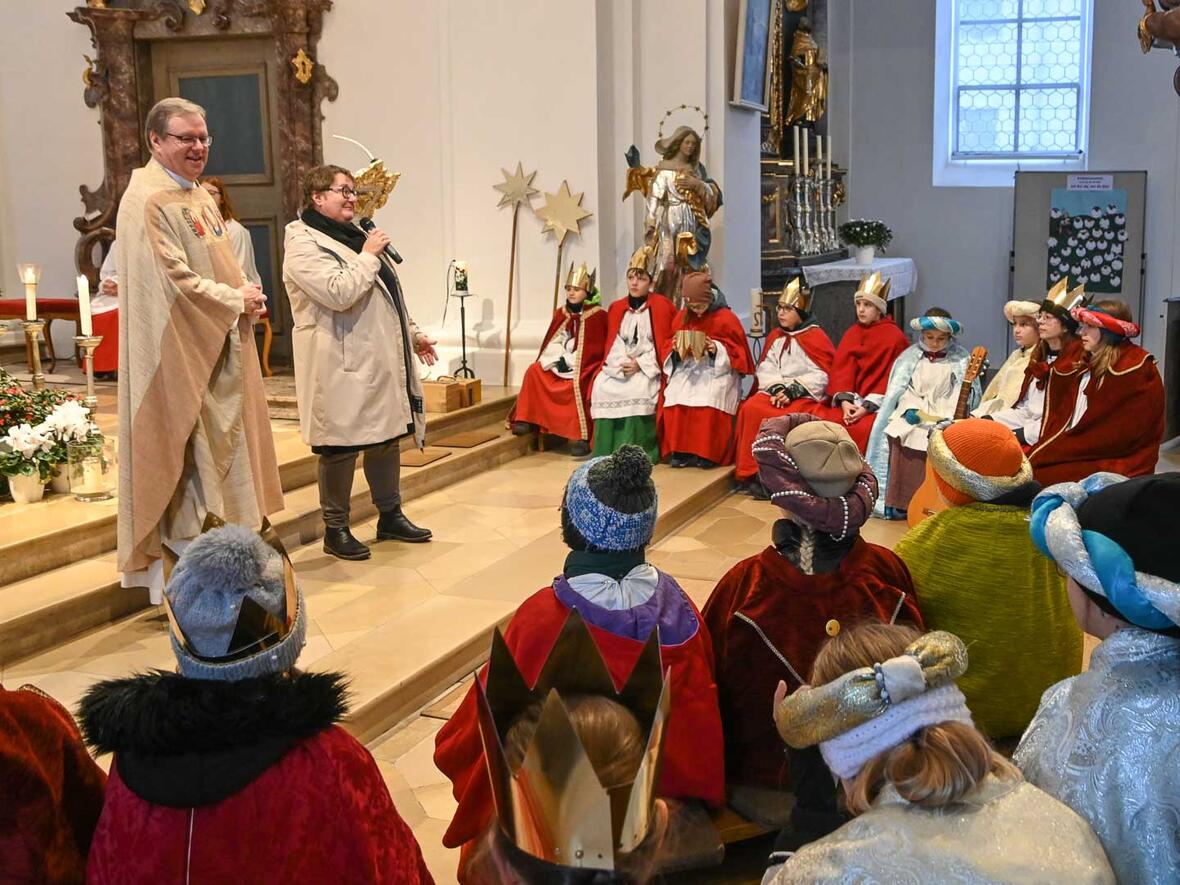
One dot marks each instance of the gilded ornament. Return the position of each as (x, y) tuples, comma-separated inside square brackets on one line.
[(832, 627), (809, 78), (516, 188), (797, 5), (373, 184), (303, 66), (197, 6), (563, 212)]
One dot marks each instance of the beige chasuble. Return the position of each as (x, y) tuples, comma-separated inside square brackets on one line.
[(194, 436)]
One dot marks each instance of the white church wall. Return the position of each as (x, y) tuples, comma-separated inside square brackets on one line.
[(50, 143), (961, 237)]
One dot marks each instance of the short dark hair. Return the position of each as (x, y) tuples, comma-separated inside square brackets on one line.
[(320, 178), (938, 312)]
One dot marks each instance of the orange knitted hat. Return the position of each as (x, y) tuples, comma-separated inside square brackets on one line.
[(983, 447)]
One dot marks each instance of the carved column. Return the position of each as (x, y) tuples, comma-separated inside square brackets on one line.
[(112, 87)]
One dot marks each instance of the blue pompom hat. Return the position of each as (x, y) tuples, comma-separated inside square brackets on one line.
[(612, 500), (228, 600)]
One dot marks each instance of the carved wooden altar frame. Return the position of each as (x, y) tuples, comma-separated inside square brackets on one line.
[(118, 83)]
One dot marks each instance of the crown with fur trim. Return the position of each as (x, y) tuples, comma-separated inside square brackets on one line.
[(581, 277), (794, 295), (553, 806)]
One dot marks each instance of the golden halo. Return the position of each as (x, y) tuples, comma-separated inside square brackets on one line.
[(684, 107)]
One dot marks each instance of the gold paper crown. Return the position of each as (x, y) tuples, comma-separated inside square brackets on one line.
[(794, 295), (1060, 299), (639, 260), (581, 277), (373, 184), (872, 287), (554, 807), (257, 629)]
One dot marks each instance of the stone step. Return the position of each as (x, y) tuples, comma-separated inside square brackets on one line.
[(416, 618), (52, 607), (39, 538)]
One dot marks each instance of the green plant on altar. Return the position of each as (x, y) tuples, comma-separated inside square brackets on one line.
[(27, 451), (37, 425), (864, 232)]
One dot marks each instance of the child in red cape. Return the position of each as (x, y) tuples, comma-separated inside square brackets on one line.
[(555, 394), (608, 515), (792, 377), (707, 359)]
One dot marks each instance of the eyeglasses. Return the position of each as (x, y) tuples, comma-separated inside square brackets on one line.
[(346, 192), (191, 140)]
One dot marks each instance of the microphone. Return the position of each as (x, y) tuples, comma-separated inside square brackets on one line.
[(367, 225)]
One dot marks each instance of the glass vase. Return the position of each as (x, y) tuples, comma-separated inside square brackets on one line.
[(92, 469)]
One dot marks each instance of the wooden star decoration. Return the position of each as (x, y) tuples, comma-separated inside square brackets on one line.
[(563, 212), (516, 188)]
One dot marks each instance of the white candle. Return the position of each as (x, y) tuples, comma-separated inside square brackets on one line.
[(91, 475), (829, 156), (84, 305), (30, 280), (756, 311), (806, 153), (819, 153), (795, 156)]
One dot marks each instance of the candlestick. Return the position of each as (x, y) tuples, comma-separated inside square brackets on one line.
[(89, 343), (806, 152), (795, 156), (84, 305), (32, 333)]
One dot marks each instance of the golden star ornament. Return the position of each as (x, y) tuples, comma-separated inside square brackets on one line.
[(516, 188), (563, 212)]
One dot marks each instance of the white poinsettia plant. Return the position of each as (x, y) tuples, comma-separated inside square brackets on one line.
[(865, 232), (39, 448)]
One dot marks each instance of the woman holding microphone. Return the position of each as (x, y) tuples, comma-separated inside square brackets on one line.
[(353, 343)]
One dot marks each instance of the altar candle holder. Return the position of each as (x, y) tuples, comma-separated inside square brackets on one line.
[(89, 343), (33, 329)]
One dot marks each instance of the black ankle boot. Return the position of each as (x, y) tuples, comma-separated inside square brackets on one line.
[(579, 447), (393, 525), (341, 544), (521, 428)]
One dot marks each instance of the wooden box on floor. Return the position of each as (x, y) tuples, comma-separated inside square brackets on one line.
[(472, 391), (442, 396)]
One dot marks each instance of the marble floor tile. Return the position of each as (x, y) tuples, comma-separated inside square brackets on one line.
[(417, 766)]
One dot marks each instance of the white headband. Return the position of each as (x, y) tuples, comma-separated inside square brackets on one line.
[(846, 754)]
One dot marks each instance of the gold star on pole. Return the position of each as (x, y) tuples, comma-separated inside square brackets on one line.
[(516, 188), (563, 212)]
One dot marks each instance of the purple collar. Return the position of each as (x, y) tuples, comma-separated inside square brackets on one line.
[(669, 609)]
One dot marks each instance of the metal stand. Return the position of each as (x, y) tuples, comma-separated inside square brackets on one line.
[(89, 343), (33, 330), (464, 370)]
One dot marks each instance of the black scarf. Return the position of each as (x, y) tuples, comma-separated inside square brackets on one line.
[(353, 237), (636, 303)]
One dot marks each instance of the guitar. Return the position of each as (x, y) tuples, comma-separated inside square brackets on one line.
[(927, 500)]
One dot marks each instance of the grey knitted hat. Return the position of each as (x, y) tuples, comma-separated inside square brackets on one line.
[(218, 574)]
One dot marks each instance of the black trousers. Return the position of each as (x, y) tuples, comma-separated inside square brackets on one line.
[(382, 468)]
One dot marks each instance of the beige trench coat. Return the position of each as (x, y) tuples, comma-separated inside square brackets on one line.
[(351, 378)]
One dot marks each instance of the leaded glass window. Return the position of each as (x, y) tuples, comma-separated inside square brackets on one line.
[(1019, 78)]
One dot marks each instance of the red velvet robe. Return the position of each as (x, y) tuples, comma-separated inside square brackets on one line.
[(327, 792), (705, 431), (692, 762), (755, 409), (1120, 431), (793, 610), (1062, 377), (557, 405), (51, 792), (861, 366)]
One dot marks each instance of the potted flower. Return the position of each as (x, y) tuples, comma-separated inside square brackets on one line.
[(867, 237), (68, 422), (26, 462)]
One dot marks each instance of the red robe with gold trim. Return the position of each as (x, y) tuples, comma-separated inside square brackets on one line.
[(692, 765), (1120, 430), (861, 366), (555, 404), (818, 346), (791, 610), (703, 425)]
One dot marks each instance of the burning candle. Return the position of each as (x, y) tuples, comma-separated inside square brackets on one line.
[(29, 275), (84, 306)]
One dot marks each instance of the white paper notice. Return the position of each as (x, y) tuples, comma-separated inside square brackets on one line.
[(1090, 182)]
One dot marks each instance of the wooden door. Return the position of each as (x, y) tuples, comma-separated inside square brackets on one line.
[(235, 80)]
